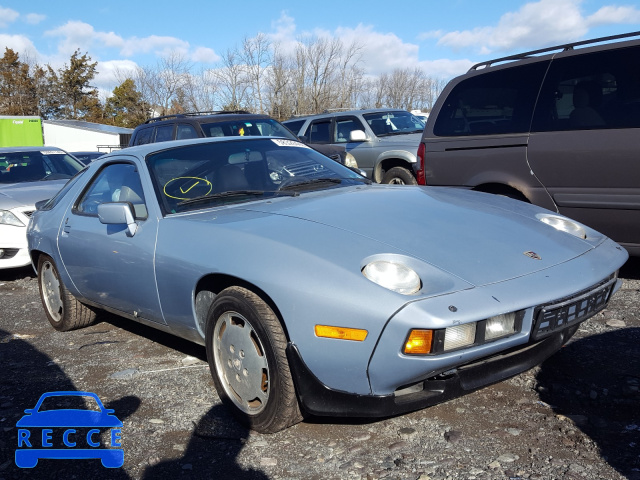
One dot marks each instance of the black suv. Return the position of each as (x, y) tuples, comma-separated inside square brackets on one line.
[(207, 124), (223, 124)]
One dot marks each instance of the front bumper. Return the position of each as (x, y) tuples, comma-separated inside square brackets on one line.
[(13, 247), (318, 399)]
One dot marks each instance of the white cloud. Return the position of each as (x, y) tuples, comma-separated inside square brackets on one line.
[(612, 14), (7, 16), (20, 44), (34, 18), (205, 55), (536, 24), (154, 44), (445, 68)]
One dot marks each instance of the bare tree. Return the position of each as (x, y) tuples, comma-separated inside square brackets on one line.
[(232, 80), (256, 55)]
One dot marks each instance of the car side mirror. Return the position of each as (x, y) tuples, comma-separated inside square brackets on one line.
[(118, 214), (41, 204), (357, 136), (303, 139)]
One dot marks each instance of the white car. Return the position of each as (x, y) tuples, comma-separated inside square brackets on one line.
[(27, 176)]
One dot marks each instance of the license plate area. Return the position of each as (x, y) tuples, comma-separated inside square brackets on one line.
[(560, 315)]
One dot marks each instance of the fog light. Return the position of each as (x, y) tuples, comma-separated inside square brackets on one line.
[(341, 333), (500, 326), (459, 336), (418, 342)]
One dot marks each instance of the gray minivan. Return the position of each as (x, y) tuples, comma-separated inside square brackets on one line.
[(558, 127)]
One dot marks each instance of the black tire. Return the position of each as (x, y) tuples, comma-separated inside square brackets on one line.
[(63, 310), (399, 176), (246, 353)]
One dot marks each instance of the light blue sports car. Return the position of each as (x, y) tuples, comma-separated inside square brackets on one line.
[(313, 291)]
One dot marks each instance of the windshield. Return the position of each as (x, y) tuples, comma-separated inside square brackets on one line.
[(262, 127), (393, 123), (36, 165), (233, 171)]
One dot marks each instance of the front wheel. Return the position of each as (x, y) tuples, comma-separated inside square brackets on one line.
[(246, 353), (63, 310), (399, 176)]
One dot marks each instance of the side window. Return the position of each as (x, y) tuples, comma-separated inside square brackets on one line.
[(118, 182), (184, 130), (344, 127), (164, 133), (318, 131), (492, 103), (591, 91), (295, 126), (144, 136)]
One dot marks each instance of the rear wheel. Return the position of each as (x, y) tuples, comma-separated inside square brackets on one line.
[(399, 176), (246, 353), (63, 310)]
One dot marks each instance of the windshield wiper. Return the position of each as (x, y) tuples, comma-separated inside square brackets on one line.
[(215, 196), (291, 184), (233, 193)]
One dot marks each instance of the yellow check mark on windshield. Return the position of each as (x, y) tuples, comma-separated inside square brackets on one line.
[(185, 191)]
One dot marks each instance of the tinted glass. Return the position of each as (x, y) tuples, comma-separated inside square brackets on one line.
[(492, 103), (118, 182), (164, 133), (33, 166), (219, 173), (184, 130), (593, 91), (295, 125), (144, 136), (264, 127), (319, 131), (393, 123)]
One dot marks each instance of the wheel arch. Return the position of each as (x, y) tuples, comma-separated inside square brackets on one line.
[(209, 286), (386, 164), (502, 189)]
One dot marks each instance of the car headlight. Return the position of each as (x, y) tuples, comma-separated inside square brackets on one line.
[(394, 276), (350, 161), (563, 224), (8, 218)]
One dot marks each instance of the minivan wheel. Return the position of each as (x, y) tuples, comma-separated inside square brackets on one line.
[(399, 176)]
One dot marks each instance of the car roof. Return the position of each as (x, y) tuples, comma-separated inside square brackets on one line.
[(209, 117), (345, 112)]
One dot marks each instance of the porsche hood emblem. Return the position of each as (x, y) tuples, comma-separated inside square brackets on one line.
[(533, 255)]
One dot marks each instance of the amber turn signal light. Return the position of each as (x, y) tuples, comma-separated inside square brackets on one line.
[(341, 333), (418, 342)]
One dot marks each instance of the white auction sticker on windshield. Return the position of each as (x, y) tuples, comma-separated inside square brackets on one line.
[(50, 152), (281, 142)]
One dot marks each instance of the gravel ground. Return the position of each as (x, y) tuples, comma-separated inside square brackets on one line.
[(577, 416)]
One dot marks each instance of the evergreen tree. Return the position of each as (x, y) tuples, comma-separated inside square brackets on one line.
[(126, 108), (18, 94)]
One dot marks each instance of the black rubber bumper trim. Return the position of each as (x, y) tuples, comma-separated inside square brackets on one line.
[(318, 399)]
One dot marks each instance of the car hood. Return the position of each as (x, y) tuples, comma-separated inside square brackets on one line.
[(27, 194), (477, 237)]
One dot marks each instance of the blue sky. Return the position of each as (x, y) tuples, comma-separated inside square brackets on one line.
[(444, 38)]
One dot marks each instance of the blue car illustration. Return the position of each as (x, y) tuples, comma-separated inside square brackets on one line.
[(61, 424)]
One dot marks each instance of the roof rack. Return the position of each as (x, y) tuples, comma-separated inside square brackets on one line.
[(564, 48), (195, 114)]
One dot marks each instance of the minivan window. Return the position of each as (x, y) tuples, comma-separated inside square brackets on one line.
[(591, 91), (492, 103)]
